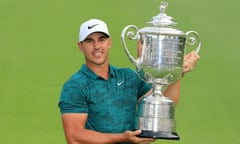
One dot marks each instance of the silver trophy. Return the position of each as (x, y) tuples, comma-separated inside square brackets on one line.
[(160, 63)]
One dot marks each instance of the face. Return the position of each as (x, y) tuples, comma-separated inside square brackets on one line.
[(95, 48)]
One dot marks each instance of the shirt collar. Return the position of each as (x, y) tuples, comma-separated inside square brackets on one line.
[(87, 71)]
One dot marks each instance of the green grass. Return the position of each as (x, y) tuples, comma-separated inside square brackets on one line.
[(38, 52)]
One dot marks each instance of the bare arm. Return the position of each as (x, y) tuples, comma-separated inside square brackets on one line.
[(173, 90), (76, 133)]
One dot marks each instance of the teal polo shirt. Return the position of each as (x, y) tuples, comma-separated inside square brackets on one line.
[(110, 104)]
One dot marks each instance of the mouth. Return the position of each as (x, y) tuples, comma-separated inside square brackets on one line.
[(97, 53)]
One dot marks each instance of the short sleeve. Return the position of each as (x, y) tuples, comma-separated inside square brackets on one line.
[(73, 99)]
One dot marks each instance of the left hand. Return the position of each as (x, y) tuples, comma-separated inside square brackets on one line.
[(190, 60)]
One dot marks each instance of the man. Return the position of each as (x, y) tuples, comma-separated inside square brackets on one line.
[(98, 102)]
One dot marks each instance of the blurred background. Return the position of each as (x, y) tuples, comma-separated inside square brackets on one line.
[(38, 53)]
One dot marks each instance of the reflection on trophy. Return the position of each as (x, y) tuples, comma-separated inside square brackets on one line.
[(160, 64)]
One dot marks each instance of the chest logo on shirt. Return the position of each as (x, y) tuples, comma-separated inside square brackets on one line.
[(120, 83)]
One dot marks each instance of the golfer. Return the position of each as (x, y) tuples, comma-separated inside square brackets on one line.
[(98, 102)]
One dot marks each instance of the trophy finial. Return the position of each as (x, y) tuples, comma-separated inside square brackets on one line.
[(163, 7)]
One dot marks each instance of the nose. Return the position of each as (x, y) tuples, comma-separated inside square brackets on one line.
[(96, 45)]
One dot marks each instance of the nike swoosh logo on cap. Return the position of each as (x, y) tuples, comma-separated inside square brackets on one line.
[(90, 27)]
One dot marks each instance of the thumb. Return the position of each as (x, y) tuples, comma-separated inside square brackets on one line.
[(136, 132)]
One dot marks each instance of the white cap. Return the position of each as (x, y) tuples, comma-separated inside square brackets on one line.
[(91, 26)]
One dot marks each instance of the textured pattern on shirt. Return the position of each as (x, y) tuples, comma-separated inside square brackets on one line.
[(110, 104)]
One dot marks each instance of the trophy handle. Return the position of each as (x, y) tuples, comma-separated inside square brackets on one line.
[(132, 36), (194, 40)]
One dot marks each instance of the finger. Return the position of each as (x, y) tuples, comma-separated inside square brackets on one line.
[(132, 134), (146, 140), (136, 139), (191, 54), (137, 132), (195, 55), (188, 66)]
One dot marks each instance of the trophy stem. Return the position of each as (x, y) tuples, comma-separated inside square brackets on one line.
[(158, 87)]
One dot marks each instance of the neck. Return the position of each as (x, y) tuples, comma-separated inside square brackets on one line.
[(100, 70)]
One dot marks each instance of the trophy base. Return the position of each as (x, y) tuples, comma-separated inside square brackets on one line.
[(159, 135)]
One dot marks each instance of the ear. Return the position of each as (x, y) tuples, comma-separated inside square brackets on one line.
[(80, 46), (110, 42)]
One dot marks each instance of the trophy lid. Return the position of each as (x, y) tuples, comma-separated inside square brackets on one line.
[(162, 23), (162, 19)]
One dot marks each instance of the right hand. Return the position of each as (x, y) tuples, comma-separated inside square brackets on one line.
[(131, 136), (190, 60)]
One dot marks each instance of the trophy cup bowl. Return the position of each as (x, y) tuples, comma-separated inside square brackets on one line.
[(160, 63)]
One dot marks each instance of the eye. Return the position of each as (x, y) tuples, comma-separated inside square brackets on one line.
[(88, 40), (103, 38)]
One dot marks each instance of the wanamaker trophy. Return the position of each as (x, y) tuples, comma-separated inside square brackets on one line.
[(160, 64)]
